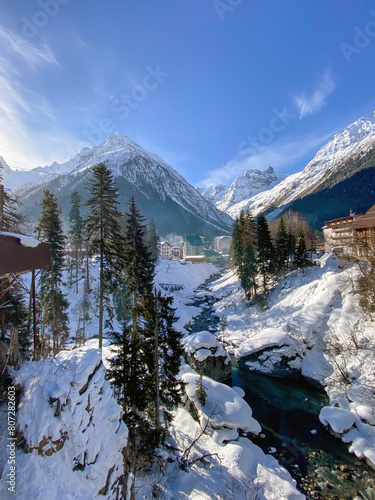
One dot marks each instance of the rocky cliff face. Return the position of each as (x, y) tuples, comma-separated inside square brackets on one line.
[(69, 423)]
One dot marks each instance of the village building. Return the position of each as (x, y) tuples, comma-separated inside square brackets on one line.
[(222, 244), (350, 235), (364, 231), (193, 245), (165, 250), (339, 235)]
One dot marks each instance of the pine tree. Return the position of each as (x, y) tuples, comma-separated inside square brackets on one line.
[(152, 239), (145, 368), (75, 232), (237, 242), (281, 246), (53, 301), (10, 218), (249, 270), (103, 236), (301, 259), (168, 353), (265, 260)]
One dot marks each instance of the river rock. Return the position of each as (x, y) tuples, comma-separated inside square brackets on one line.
[(271, 352), (205, 353)]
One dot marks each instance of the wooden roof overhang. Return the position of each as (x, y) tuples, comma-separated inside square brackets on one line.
[(21, 254)]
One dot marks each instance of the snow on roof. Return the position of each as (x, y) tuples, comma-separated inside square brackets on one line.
[(26, 241)]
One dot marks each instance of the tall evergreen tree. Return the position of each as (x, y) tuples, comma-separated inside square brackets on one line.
[(75, 232), (301, 259), (168, 353), (53, 301), (103, 236), (265, 260), (152, 239), (145, 368), (281, 245), (249, 260), (237, 242)]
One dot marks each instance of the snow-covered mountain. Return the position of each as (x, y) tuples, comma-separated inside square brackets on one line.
[(334, 162), (213, 194), (159, 190), (242, 188), (247, 185), (14, 178)]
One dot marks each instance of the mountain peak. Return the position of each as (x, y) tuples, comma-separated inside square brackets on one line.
[(118, 140)]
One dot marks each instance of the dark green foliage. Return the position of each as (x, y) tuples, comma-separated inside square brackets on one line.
[(75, 234), (248, 270), (103, 237), (169, 356), (301, 259), (53, 301), (282, 246), (243, 252), (152, 239), (265, 260), (148, 350)]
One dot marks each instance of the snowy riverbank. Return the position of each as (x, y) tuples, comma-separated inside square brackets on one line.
[(313, 321)]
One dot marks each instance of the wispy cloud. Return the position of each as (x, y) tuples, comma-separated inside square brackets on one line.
[(29, 134), (279, 155), (32, 54), (308, 105)]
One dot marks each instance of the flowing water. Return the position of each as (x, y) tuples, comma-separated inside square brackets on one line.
[(288, 412)]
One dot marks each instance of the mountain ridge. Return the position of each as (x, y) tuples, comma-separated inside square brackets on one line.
[(160, 191)]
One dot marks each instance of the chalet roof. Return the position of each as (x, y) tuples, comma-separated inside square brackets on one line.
[(367, 220), (194, 240), (22, 254), (163, 243), (352, 217)]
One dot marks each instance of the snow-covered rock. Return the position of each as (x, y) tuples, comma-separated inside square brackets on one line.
[(271, 352), (71, 428), (204, 352), (224, 406)]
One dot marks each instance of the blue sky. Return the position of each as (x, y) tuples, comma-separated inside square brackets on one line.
[(214, 87)]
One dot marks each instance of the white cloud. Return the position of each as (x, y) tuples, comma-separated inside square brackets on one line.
[(31, 54), (29, 135), (308, 105), (279, 155)]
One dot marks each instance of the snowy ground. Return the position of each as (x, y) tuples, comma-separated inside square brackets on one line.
[(207, 458), (185, 276), (315, 314)]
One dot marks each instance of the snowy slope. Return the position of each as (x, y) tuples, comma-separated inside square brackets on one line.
[(72, 430), (213, 194), (247, 185), (317, 314), (13, 178), (357, 139), (158, 188)]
